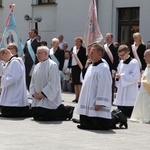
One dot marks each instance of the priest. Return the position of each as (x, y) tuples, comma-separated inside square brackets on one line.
[(141, 111), (94, 107), (46, 90), (13, 101)]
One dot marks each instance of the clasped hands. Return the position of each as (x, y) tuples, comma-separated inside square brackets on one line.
[(38, 96), (98, 107)]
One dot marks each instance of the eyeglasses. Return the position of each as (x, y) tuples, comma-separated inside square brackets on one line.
[(10, 48), (122, 54), (39, 53)]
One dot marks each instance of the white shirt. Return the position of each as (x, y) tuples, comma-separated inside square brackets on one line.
[(61, 44), (74, 62)]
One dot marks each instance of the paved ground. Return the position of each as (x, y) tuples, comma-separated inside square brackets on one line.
[(25, 134)]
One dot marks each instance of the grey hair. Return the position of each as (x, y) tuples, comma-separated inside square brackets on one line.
[(45, 48)]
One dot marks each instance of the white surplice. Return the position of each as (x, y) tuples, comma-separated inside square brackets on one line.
[(96, 90), (2, 65), (46, 79), (13, 84), (141, 111), (128, 83)]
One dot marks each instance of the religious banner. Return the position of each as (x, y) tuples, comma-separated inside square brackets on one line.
[(92, 30), (10, 34)]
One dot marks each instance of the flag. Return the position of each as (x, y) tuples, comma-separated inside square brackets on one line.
[(10, 34), (92, 30)]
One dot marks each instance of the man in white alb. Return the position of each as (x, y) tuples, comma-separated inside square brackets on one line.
[(46, 90), (94, 107), (13, 102)]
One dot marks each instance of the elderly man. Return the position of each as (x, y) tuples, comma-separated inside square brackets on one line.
[(141, 111), (61, 41), (13, 102), (46, 91), (94, 107)]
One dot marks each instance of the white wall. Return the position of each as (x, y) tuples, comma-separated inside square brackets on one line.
[(69, 17), (47, 27), (21, 8), (107, 12), (105, 16)]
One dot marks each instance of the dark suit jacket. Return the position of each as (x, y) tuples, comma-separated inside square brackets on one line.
[(28, 60), (59, 54), (81, 55), (114, 51), (140, 51)]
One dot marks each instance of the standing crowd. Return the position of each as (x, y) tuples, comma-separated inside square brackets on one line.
[(95, 74)]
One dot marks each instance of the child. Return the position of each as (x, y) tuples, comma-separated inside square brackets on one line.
[(126, 81)]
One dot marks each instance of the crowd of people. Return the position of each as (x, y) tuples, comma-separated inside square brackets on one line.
[(95, 74)]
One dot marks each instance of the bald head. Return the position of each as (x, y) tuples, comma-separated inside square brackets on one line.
[(5, 54), (60, 37), (148, 51)]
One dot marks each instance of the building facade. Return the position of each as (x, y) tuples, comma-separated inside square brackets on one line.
[(68, 17)]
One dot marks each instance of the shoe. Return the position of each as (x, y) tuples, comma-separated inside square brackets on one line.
[(75, 120), (75, 101), (70, 113), (79, 126)]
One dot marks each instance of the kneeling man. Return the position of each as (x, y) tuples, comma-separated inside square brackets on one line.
[(46, 90), (94, 106), (13, 102)]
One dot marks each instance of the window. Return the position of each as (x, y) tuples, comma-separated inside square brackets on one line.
[(47, 1), (0, 3), (128, 24)]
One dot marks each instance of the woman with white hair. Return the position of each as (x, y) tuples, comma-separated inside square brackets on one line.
[(56, 54)]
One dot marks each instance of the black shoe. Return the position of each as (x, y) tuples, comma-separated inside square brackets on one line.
[(70, 113), (75, 120), (81, 127), (75, 101)]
